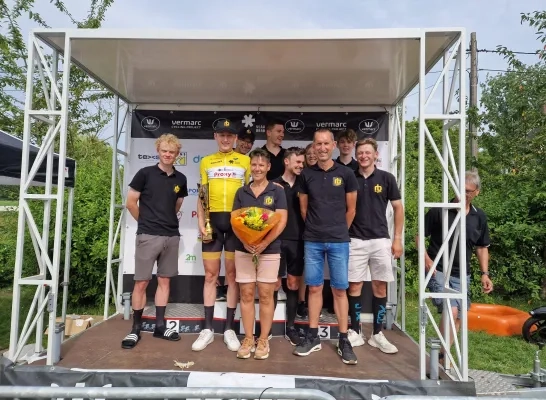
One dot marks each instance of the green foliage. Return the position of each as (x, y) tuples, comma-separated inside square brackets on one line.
[(513, 166)]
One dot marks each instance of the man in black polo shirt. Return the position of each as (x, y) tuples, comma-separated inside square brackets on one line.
[(328, 201), (346, 144), (274, 131), (292, 242), (371, 249), (477, 238), (155, 196)]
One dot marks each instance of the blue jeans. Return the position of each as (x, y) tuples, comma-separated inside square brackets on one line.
[(337, 255)]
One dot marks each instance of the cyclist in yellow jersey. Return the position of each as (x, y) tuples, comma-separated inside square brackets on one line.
[(225, 172)]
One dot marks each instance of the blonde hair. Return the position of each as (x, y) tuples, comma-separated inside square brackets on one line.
[(170, 139)]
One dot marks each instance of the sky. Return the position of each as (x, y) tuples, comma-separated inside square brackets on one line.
[(496, 22)]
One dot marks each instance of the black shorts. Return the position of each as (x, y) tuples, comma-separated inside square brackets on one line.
[(292, 258), (224, 238)]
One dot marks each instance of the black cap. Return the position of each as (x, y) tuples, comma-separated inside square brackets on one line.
[(225, 125), (246, 134)]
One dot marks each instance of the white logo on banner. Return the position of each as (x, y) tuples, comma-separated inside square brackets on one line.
[(248, 121), (185, 124), (294, 126), (368, 126), (150, 124), (334, 126)]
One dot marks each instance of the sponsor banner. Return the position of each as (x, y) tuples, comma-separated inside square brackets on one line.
[(143, 153), (297, 125), (45, 376)]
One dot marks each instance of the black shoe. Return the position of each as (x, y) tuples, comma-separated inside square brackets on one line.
[(345, 350), (301, 311), (220, 293), (292, 336), (307, 346)]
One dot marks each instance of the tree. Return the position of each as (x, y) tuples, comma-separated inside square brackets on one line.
[(88, 106), (513, 165)]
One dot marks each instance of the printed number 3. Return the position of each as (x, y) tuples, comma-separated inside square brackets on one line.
[(324, 332)]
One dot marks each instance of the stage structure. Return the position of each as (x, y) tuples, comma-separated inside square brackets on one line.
[(327, 77)]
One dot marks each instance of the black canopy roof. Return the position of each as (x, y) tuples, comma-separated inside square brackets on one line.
[(11, 152)]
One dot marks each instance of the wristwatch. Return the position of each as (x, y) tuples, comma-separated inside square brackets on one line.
[(485, 273)]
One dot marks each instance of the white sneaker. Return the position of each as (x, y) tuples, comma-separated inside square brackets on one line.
[(231, 341), (380, 341), (356, 339), (205, 338)]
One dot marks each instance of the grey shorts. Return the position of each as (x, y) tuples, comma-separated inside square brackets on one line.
[(436, 284), (152, 248)]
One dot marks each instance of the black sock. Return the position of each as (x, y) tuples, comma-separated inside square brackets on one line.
[(342, 336), (230, 316), (137, 320), (291, 307), (275, 299), (160, 316), (313, 332), (379, 306), (354, 312), (209, 314)]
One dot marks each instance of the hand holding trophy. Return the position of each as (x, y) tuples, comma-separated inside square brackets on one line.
[(203, 193)]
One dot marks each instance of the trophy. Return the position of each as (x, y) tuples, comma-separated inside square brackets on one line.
[(203, 193)]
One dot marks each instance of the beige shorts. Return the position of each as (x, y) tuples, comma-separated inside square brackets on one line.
[(370, 260), (267, 271)]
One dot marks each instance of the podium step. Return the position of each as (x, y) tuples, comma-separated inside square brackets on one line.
[(189, 318)]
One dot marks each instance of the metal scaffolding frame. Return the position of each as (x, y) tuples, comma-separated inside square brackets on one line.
[(60, 95), (454, 179), (56, 117)]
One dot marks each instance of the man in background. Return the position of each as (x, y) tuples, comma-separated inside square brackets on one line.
[(274, 131), (292, 253), (346, 141)]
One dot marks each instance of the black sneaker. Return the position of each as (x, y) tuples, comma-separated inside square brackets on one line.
[(292, 336), (307, 346), (345, 350), (220, 293), (301, 311)]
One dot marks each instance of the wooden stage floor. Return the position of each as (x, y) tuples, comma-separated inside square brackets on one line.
[(100, 348)]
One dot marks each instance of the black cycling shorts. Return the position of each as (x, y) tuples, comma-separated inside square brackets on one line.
[(292, 258), (224, 238)]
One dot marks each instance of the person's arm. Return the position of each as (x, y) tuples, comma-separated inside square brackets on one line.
[(132, 203), (351, 193), (350, 199), (482, 252), (397, 245), (133, 195), (277, 229), (183, 192), (304, 201)]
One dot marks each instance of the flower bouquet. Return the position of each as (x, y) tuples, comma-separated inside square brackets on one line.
[(252, 224)]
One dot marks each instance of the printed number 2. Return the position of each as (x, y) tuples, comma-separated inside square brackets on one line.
[(324, 332), (173, 324)]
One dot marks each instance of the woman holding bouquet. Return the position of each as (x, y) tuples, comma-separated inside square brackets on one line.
[(259, 217)]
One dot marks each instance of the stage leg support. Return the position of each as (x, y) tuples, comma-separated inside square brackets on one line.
[(435, 346), (126, 305)]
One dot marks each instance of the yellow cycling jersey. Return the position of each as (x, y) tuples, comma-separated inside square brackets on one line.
[(225, 173)]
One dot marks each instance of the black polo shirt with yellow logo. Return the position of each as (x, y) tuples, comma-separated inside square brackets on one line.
[(327, 205), (277, 163), (374, 194), (272, 198), (294, 225), (157, 203)]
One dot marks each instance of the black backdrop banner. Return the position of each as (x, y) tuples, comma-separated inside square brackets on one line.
[(297, 125)]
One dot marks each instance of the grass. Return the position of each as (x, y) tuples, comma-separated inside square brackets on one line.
[(9, 203), (508, 355), (27, 294)]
